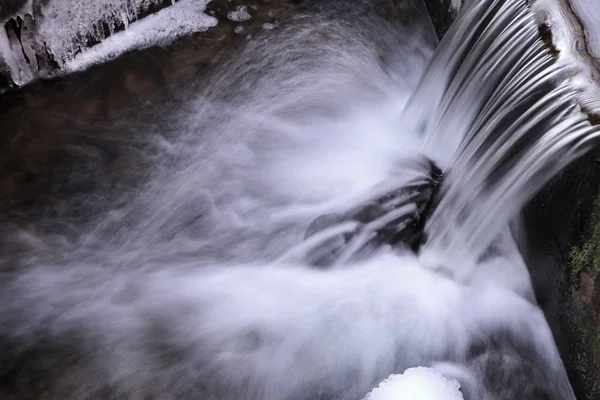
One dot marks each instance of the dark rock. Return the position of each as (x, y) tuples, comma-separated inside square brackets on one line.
[(441, 14), (403, 231), (10, 7)]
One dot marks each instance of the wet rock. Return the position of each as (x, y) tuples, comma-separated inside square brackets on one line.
[(442, 14), (376, 218)]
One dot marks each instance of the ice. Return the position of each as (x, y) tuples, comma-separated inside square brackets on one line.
[(183, 18), (12, 60), (77, 34), (67, 26), (417, 384), (240, 15)]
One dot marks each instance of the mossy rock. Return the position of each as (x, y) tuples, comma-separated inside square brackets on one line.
[(587, 255)]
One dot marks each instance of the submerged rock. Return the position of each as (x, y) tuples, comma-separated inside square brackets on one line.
[(395, 219)]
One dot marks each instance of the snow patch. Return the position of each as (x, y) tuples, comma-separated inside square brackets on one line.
[(568, 37), (417, 384)]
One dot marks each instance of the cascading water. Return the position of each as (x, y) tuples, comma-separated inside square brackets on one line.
[(501, 121), (263, 243)]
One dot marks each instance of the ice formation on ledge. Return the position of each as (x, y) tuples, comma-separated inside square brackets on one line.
[(12, 53), (417, 384), (183, 18), (62, 36)]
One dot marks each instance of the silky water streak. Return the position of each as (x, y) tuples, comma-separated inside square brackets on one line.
[(500, 118)]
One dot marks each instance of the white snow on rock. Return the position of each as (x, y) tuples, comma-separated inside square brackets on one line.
[(80, 33), (417, 384), (568, 36), (183, 18), (589, 12)]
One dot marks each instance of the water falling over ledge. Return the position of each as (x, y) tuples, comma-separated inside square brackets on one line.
[(500, 117)]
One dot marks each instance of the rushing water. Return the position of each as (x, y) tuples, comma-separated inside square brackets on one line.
[(262, 238), (500, 118)]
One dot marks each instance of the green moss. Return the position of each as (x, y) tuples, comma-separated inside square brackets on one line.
[(588, 254)]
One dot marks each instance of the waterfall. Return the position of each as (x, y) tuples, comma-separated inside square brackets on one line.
[(328, 206), (499, 117)]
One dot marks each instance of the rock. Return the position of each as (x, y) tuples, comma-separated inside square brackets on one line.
[(404, 230)]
